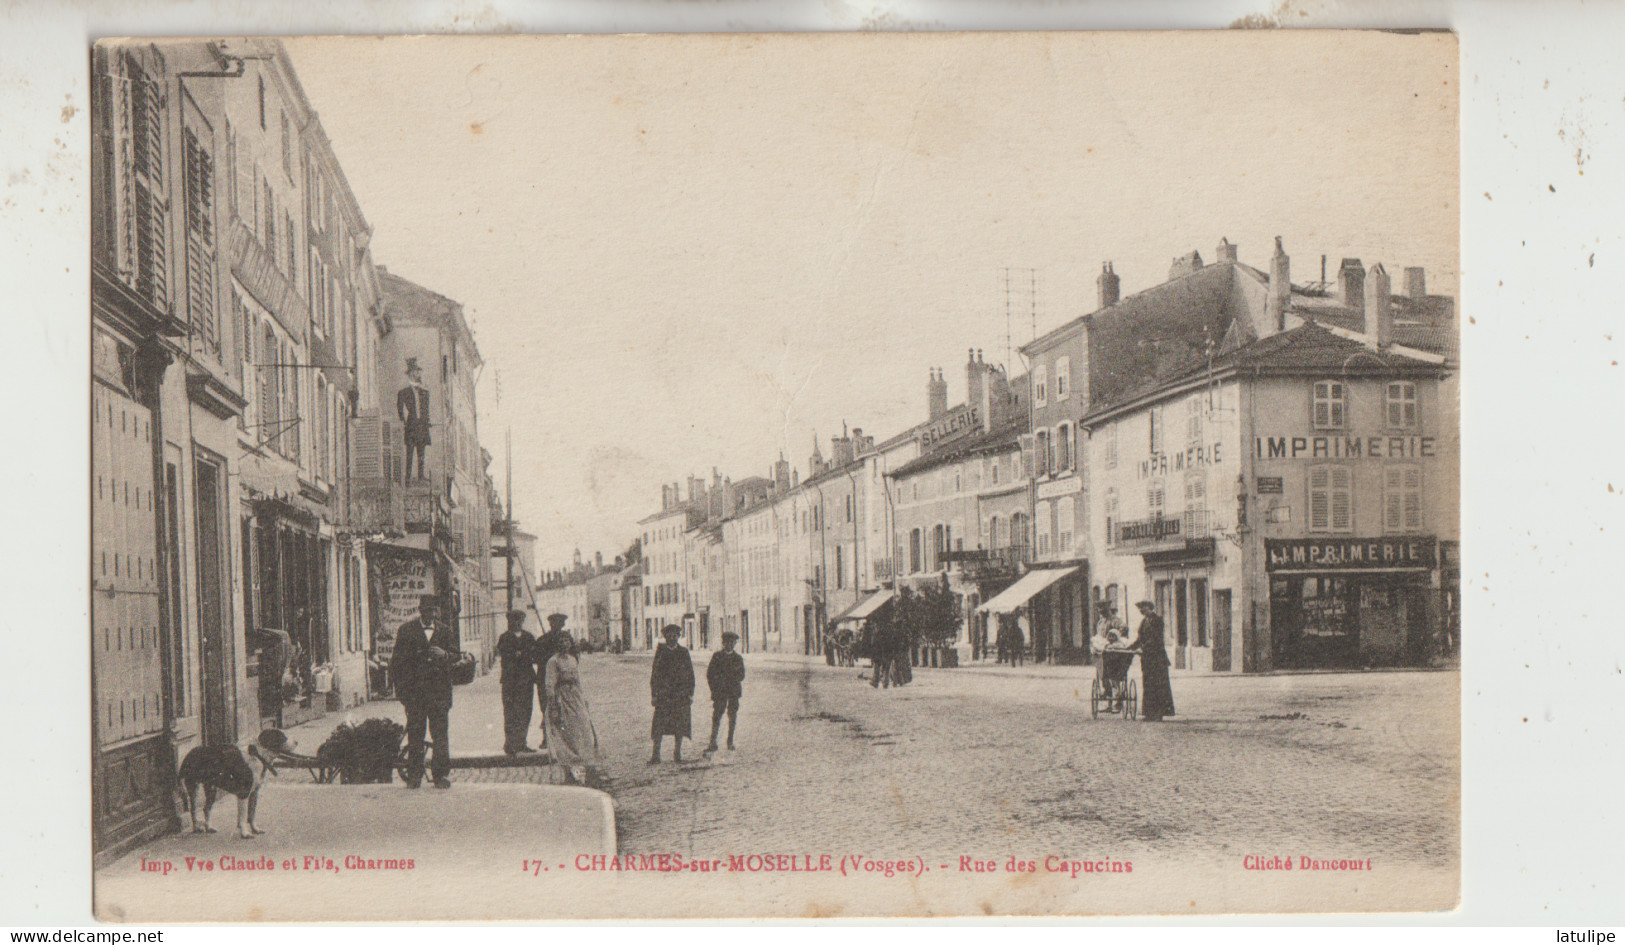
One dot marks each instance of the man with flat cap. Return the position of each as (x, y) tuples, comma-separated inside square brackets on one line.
[(671, 692), (516, 649), (555, 640)]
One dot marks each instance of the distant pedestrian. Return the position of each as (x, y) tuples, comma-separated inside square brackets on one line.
[(570, 733), (1158, 698), (516, 649), (726, 676), (671, 690), (1018, 641), (425, 651)]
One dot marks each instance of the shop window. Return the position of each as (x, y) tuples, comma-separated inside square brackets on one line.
[(1331, 499), (1402, 498), (1330, 405), (1401, 404)]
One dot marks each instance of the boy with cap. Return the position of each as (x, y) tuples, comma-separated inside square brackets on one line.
[(726, 676)]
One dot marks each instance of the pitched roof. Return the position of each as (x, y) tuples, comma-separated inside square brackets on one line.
[(1308, 348), (993, 441)]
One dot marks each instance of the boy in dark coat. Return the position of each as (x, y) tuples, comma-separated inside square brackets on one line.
[(671, 689), (425, 652), (726, 677), (516, 649)]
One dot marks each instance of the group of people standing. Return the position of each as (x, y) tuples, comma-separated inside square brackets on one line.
[(671, 692), (549, 666), (887, 647)]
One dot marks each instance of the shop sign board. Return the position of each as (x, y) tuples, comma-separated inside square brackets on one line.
[(399, 578), (1414, 553), (1271, 485), (1060, 487)]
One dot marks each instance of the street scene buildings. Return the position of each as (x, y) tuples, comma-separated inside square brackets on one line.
[(1246, 463)]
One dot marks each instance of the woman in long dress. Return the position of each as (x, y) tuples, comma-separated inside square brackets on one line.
[(1158, 697), (570, 733)]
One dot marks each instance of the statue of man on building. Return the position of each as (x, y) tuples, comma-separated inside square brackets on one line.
[(412, 403)]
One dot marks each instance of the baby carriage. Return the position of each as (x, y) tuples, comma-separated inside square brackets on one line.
[(1112, 689)]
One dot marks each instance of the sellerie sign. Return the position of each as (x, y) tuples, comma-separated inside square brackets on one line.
[(953, 425), (1344, 554)]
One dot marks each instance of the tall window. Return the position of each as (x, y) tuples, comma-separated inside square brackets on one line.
[(840, 567), (1046, 515), (1044, 458), (1110, 459), (1331, 405), (287, 148), (1111, 514), (1401, 498), (1155, 415), (1156, 498), (1040, 378), (849, 509), (915, 564), (1331, 499), (1063, 447), (270, 391), (269, 219), (262, 102), (142, 231), (1401, 404), (1193, 418), (1065, 519), (1195, 504), (1063, 371)]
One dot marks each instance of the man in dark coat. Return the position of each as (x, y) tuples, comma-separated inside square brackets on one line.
[(412, 406), (516, 649), (671, 690), (556, 640), (425, 652), (726, 677), (1158, 693)]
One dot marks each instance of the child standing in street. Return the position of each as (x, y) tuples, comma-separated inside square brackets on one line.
[(726, 676)]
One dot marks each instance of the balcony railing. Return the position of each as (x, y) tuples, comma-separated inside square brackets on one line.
[(1161, 532)]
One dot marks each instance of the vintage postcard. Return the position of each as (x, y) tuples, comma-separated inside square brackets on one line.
[(514, 496)]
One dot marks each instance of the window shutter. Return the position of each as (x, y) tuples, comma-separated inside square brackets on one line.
[(200, 281), (1028, 449), (1319, 499), (1342, 499), (1413, 498)]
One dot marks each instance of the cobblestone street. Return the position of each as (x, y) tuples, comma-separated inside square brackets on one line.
[(995, 762)]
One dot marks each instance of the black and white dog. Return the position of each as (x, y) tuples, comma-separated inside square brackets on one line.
[(227, 768)]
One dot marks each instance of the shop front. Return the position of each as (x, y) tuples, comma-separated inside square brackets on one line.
[(1046, 605), (398, 577), (285, 565), (1352, 602)]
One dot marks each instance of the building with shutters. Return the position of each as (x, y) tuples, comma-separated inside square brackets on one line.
[(1288, 499), (229, 294)]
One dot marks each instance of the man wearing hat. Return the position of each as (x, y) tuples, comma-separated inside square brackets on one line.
[(726, 676), (1159, 694), (671, 690), (412, 405), (516, 649), (555, 640), (425, 652)]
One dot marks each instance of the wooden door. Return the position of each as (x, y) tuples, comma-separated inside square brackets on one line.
[(1221, 631), (130, 677)]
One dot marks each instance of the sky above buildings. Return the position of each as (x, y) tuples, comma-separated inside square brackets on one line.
[(687, 252)]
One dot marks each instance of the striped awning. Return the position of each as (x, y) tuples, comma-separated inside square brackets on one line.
[(865, 608)]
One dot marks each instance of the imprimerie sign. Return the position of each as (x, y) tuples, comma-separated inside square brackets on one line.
[(1344, 447), (1350, 554), (959, 422)]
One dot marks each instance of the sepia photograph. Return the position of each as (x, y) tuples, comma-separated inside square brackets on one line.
[(514, 496)]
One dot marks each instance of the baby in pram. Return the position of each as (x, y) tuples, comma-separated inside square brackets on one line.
[(1111, 646)]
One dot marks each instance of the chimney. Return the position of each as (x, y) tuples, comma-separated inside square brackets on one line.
[(1379, 314), (795, 478), (1184, 265), (1280, 289), (1351, 285), (1226, 251), (861, 443), (841, 448), (975, 373), (1109, 286), (598, 560), (936, 394), (1416, 285), (781, 473)]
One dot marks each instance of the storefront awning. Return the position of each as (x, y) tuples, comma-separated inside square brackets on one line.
[(865, 608), (1024, 590)]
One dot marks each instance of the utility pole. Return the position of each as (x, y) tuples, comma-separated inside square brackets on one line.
[(507, 520)]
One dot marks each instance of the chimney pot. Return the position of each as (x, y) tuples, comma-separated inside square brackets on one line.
[(1109, 286), (1351, 284), (1280, 288), (1379, 315), (1226, 251)]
